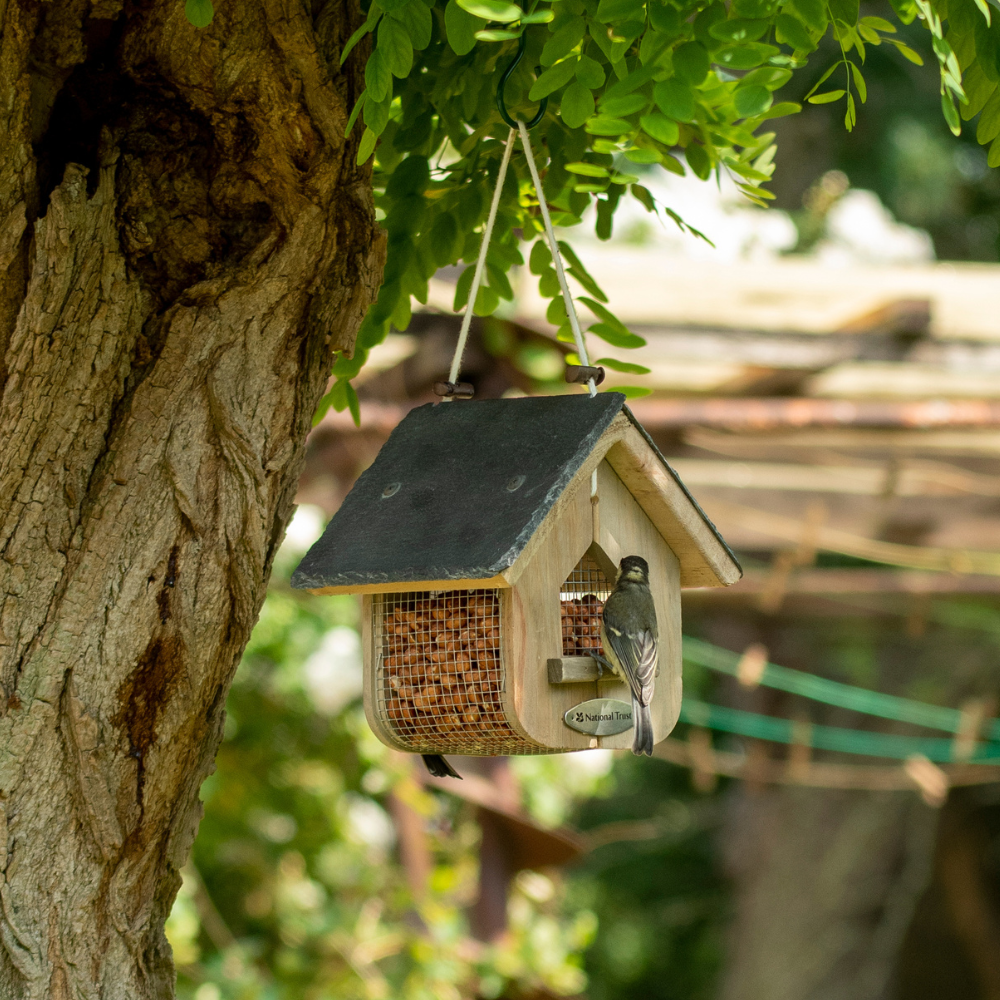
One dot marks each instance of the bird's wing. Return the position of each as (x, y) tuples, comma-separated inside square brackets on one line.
[(637, 655)]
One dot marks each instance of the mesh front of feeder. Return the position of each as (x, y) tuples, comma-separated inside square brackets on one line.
[(581, 601), (440, 673)]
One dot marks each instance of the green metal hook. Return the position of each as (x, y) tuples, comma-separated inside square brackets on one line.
[(501, 106)]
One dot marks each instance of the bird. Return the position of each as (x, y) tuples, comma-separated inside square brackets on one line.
[(629, 637), (439, 767)]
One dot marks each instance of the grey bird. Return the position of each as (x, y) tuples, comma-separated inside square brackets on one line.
[(629, 635)]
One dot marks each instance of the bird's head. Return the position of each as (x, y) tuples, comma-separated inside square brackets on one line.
[(634, 569)]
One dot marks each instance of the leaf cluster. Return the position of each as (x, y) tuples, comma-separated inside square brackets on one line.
[(631, 86)]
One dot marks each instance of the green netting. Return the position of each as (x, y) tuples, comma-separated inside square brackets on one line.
[(885, 706), (853, 741)]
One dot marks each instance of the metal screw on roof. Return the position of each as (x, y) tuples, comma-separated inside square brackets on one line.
[(391, 490), (514, 483)]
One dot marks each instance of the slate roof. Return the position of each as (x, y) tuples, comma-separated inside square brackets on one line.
[(452, 516)]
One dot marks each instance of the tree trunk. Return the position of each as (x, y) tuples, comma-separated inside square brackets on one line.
[(827, 883), (184, 241)]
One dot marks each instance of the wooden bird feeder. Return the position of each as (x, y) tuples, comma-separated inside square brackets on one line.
[(484, 556)]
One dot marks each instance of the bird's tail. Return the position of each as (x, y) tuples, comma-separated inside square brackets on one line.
[(440, 767), (643, 739)]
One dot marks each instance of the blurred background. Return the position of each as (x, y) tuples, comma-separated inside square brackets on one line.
[(825, 377)]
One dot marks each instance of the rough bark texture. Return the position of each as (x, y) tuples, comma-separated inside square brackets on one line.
[(184, 239)]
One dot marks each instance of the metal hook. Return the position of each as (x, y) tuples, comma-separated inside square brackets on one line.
[(501, 107)]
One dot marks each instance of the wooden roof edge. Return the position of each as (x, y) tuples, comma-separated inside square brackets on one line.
[(705, 558)]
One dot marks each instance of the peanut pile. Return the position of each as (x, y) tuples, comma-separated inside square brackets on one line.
[(581, 625), (441, 659)]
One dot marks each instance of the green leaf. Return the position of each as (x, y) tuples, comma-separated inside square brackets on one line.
[(859, 82), (487, 300), (745, 56), (951, 114), (691, 63), (444, 239), (461, 28), (358, 105), (644, 197), (625, 367), (619, 10), (605, 315), (827, 98), (613, 335), (660, 127), (771, 77), (812, 13), (538, 17), (587, 169), (845, 10), (377, 115), (498, 34), (623, 179), (492, 10), (698, 160), (878, 23), (367, 146), (395, 47), (819, 83), (419, 23), (593, 187), (783, 109), (378, 77), (552, 79), (579, 272), (752, 100), (462, 288), (850, 116), (590, 73), (619, 107), (792, 31), (989, 121), (640, 154), (739, 30), (993, 157), (566, 38), (675, 99), (373, 16), (540, 259), (602, 125), (629, 391), (199, 12), (914, 57), (979, 89), (353, 404)]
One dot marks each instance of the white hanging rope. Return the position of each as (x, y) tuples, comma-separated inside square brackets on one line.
[(463, 334), (477, 278), (581, 348)]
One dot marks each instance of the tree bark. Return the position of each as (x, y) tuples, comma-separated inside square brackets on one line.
[(184, 241)]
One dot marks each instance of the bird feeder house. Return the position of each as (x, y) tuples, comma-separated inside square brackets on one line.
[(484, 539)]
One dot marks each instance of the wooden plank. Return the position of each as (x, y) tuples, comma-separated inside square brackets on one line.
[(573, 670), (855, 581), (412, 586), (369, 606), (535, 632), (881, 479)]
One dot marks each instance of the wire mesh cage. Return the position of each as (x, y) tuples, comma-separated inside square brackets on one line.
[(440, 679), (581, 600)]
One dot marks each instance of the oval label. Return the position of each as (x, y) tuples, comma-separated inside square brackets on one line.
[(600, 717)]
